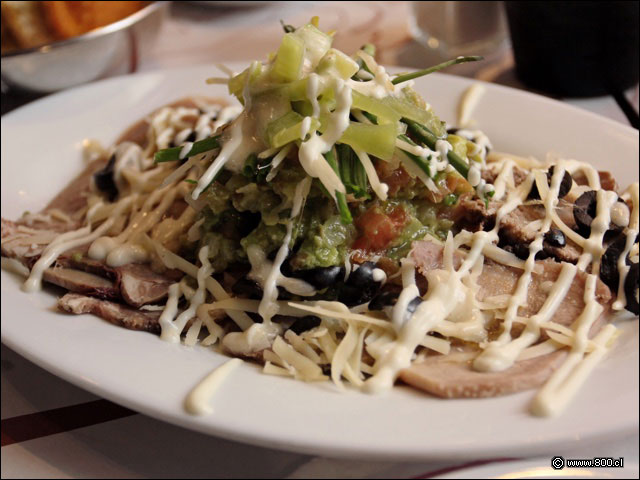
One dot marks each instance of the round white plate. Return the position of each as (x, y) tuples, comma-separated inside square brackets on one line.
[(41, 153)]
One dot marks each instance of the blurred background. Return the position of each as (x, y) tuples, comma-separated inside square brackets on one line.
[(561, 49)]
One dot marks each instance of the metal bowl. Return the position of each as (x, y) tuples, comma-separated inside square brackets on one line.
[(86, 57)]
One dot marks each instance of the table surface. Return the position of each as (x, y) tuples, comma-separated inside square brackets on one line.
[(70, 433)]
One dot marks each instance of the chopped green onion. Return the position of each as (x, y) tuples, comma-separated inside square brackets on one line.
[(288, 128), (487, 196), (369, 49), (263, 171), (407, 109), (450, 199), (237, 83), (341, 199), (435, 68), (76, 257), (372, 118), (250, 166), (427, 137), (287, 28), (287, 65), (385, 113), (337, 64), (419, 161), (377, 140), (315, 43), (352, 172), (173, 154), (189, 180)]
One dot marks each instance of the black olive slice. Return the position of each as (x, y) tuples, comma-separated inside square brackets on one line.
[(352, 296), (631, 289), (305, 323), (565, 185), (386, 297), (248, 288), (360, 287), (584, 211), (412, 306), (362, 276), (609, 262), (104, 180), (555, 238), (321, 277)]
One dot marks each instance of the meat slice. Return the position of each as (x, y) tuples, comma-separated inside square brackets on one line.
[(115, 313), (515, 235), (82, 282), (607, 182), (137, 283), (490, 174), (140, 285), (452, 376), (515, 228), (73, 198), (21, 242), (497, 279)]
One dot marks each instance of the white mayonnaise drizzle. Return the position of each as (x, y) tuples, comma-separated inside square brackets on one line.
[(186, 148), (631, 234), (198, 401), (468, 103), (172, 329), (14, 266), (311, 151), (620, 214), (409, 292), (553, 397), (225, 116), (269, 275), (377, 186), (277, 160), (305, 127), (313, 90), (380, 85), (228, 148), (69, 240)]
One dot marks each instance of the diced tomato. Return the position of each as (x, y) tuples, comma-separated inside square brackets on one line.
[(395, 179), (379, 229)]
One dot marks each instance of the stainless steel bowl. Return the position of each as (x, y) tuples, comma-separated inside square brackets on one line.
[(86, 57)]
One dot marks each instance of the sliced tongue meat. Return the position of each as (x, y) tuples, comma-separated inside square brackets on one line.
[(115, 313)]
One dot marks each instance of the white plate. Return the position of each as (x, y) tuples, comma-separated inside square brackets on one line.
[(41, 153)]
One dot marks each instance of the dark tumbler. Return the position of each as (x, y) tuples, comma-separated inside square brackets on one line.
[(575, 49)]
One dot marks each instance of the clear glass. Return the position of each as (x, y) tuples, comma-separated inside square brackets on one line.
[(459, 28)]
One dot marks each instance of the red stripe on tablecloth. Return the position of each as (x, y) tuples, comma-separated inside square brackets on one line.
[(41, 424), (454, 468)]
